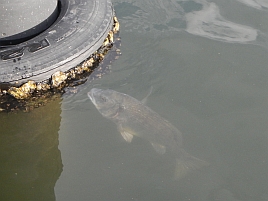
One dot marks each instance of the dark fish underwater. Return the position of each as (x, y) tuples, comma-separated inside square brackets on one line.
[(133, 118)]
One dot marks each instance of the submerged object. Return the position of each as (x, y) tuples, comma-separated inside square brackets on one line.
[(133, 118)]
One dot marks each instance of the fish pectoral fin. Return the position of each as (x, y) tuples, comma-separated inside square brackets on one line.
[(127, 136), (161, 149)]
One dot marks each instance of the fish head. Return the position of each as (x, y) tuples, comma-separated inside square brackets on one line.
[(105, 101)]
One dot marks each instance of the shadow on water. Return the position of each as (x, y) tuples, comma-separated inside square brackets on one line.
[(29, 155)]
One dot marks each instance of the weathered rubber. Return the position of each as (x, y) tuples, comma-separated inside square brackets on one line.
[(22, 20), (78, 32)]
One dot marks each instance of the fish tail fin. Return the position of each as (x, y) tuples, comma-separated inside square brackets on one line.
[(186, 164)]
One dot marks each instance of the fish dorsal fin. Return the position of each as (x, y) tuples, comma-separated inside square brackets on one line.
[(127, 136), (146, 97), (159, 148)]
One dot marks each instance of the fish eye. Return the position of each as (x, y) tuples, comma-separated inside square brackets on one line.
[(103, 99)]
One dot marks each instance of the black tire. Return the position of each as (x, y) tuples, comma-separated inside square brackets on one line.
[(78, 32)]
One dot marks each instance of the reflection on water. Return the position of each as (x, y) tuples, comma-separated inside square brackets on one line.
[(259, 4), (210, 24), (29, 155), (150, 16), (198, 17)]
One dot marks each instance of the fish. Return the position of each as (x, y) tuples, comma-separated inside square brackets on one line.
[(134, 118)]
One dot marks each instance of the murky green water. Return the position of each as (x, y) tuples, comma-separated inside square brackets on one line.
[(207, 64)]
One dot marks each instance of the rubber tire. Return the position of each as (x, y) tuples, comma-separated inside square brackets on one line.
[(78, 32)]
